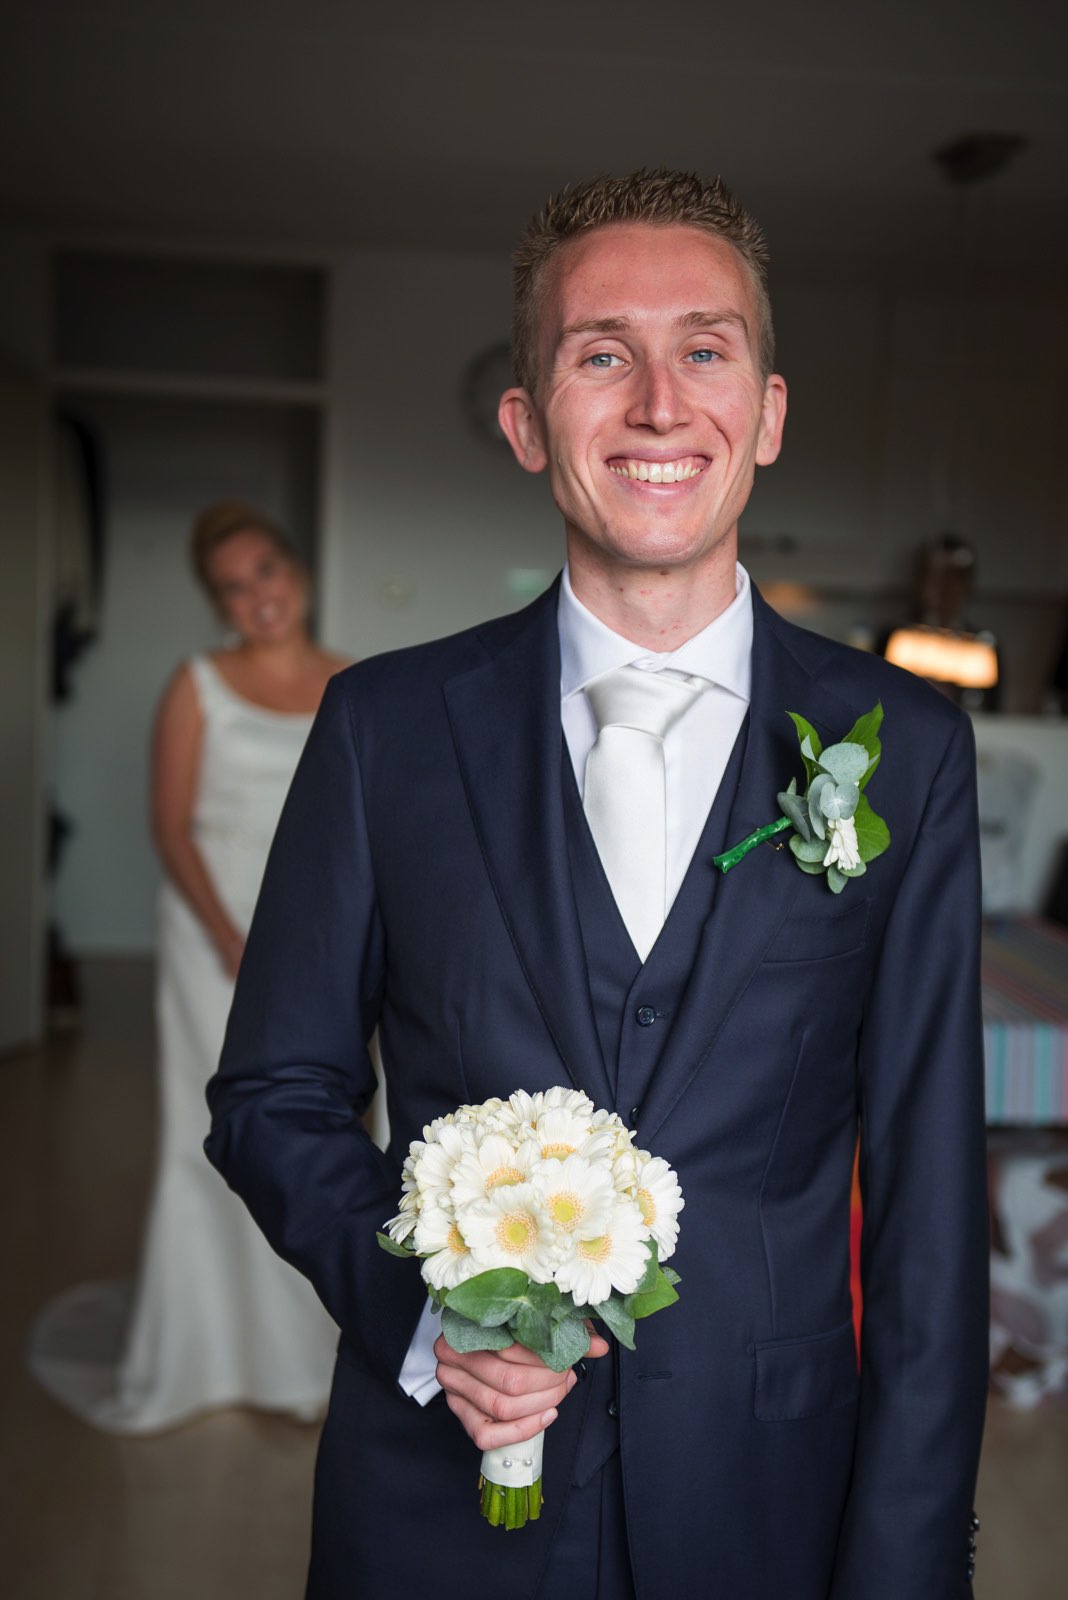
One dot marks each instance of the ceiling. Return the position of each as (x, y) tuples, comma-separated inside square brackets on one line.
[(328, 124)]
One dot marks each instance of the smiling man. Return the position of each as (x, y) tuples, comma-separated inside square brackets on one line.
[(499, 851)]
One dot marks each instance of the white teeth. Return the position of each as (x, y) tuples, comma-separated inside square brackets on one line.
[(657, 471)]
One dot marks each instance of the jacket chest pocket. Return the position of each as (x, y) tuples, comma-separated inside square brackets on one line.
[(821, 935)]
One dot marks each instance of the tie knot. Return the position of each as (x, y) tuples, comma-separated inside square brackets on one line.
[(651, 702)]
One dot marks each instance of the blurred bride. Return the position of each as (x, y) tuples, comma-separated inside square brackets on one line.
[(216, 1319)]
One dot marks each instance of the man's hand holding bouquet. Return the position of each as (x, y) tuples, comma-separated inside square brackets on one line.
[(530, 1217)]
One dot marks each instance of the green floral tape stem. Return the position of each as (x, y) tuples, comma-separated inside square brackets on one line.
[(730, 858)]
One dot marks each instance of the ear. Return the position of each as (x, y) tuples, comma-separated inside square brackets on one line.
[(521, 426), (773, 416)]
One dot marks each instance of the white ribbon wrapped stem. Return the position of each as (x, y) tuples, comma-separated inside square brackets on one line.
[(514, 1466)]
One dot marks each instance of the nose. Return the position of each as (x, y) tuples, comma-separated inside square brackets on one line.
[(659, 401)]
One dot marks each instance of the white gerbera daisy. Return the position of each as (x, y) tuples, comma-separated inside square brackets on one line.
[(494, 1161), (447, 1258), (659, 1200), (576, 1197), (433, 1168), (400, 1226), (509, 1229), (560, 1133), (615, 1259), (573, 1100)]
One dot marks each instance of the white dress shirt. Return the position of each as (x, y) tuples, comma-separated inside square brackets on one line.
[(696, 752)]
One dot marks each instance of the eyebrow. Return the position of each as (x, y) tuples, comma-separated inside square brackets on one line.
[(689, 319)]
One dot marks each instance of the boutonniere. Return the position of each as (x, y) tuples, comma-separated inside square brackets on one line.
[(835, 829)]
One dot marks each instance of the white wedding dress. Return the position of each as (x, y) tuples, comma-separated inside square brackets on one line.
[(216, 1318)]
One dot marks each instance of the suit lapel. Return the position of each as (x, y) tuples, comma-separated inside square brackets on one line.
[(748, 903), (505, 719)]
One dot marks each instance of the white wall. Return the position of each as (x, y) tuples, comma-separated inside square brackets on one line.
[(425, 520)]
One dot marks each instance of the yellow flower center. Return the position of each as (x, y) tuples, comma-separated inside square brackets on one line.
[(566, 1209), (596, 1249), (516, 1232), (503, 1175), (648, 1207), (455, 1242), (557, 1152)]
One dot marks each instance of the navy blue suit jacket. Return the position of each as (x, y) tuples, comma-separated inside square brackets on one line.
[(419, 884)]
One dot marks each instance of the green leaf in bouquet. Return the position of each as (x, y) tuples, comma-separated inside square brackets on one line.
[(547, 1297), (463, 1335), (393, 1248), (533, 1327), (648, 1277), (643, 1304), (490, 1298), (570, 1342), (671, 1275), (617, 1319)]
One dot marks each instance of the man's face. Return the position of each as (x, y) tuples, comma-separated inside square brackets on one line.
[(650, 412)]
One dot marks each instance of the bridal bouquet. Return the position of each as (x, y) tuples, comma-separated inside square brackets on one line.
[(530, 1215)]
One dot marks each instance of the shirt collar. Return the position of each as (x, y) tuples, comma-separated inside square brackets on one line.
[(721, 652)]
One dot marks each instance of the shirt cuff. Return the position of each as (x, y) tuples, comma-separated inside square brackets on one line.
[(418, 1374)]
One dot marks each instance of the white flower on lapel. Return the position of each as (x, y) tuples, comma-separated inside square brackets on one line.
[(842, 848)]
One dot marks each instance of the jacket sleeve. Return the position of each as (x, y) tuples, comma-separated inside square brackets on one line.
[(295, 1074), (925, 1259)]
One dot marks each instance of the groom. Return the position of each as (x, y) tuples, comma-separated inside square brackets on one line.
[(474, 862)]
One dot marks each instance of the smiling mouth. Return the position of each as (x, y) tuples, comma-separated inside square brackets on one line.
[(658, 471)]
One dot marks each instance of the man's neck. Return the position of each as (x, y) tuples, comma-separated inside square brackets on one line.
[(658, 608)]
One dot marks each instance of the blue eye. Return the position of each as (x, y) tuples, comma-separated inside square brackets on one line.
[(702, 357), (602, 359)]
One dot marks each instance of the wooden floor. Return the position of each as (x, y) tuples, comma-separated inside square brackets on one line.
[(219, 1510)]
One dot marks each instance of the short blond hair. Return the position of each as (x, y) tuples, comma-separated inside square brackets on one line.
[(659, 198), (219, 522)]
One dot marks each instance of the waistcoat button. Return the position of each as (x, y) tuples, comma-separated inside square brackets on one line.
[(646, 1016)]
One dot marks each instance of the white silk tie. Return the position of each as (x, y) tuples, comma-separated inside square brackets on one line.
[(624, 794)]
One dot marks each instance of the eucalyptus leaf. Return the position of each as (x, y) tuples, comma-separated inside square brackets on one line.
[(547, 1297), (836, 880), (643, 1305), (490, 1298), (808, 850), (615, 1316), (792, 805), (813, 868), (393, 1248), (671, 1275), (821, 781), (570, 1342), (839, 800), (846, 763), (463, 1335), (532, 1327)]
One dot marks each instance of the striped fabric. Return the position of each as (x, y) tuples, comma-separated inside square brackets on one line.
[(1025, 1021)]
